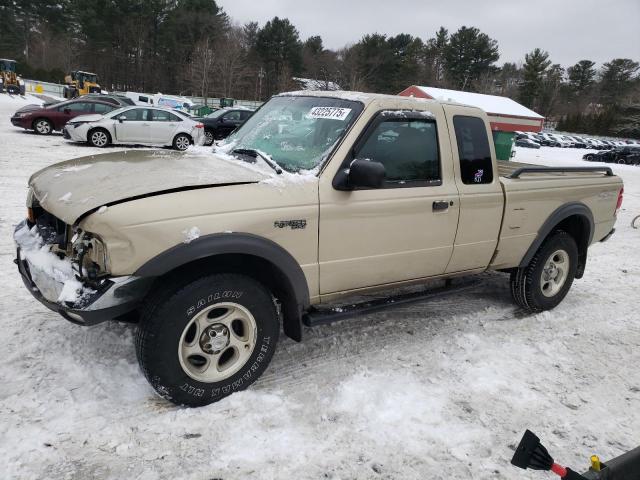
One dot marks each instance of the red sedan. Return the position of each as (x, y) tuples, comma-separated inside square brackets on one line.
[(44, 120)]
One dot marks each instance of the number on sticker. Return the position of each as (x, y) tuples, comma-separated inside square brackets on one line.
[(333, 113)]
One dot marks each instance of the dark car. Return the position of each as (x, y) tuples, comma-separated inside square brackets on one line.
[(44, 120), (221, 123), (607, 156), (527, 143), (615, 155)]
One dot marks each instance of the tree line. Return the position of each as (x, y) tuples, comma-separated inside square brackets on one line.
[(192, 47)]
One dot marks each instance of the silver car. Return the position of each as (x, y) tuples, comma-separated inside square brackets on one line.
[(154, 126)]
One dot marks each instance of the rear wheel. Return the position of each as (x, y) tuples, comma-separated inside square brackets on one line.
[(589, 157), (42, 126), (201, 340), (208, 137), (181, 142), (99, 138), (544, 283)]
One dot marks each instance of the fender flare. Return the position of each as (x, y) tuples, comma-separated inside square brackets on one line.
[(565, 211), (241, 244)]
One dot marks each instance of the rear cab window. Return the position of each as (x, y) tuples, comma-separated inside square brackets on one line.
[(474, 151)]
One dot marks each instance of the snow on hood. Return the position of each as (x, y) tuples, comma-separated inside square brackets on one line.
[(70, 189)]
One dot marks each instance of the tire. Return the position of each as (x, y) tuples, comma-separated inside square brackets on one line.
[(99, 137), (180, 323), (208, 137), (531, 286), (621, 161), (589, 158), (42, 126), (181, 142)]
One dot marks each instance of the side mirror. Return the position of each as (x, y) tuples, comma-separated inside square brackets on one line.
[(67, 111), (360, 174), (122, 118)]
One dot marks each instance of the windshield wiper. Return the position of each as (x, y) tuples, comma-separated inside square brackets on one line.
[(255, 153)]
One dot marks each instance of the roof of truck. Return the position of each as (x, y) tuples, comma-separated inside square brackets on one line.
[(363, 97)]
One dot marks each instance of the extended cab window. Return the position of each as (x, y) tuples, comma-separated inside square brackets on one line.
[(473, 150), (408, 149)]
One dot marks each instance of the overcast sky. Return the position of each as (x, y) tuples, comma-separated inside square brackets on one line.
[(570, 30)]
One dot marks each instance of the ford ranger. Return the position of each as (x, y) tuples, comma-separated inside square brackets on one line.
[(317, 198)]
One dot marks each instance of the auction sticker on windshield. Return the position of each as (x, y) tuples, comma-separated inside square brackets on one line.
[(333, 113)]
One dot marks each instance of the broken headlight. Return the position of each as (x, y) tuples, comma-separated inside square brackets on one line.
[(89, 255)]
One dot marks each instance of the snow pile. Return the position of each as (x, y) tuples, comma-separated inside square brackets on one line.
[(191, 234), (46, 265)]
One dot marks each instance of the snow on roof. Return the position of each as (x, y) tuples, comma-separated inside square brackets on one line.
[(492, 104), (314, 84)]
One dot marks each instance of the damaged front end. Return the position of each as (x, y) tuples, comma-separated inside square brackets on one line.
[(67, 270)]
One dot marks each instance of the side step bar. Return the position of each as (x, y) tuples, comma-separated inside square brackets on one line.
[(323, 316)]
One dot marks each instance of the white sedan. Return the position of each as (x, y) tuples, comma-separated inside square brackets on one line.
[(136, 125)]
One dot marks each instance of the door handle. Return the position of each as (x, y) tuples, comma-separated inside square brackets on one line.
[(145, 124), (440, 205)]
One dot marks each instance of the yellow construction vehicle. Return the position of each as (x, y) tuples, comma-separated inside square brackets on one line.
[(80, 83), (9, 80)]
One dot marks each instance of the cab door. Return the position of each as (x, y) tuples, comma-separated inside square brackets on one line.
[(481, 196), (403, 230)]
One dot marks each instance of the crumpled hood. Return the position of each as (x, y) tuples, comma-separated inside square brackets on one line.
[(70, 189), (86, 118)]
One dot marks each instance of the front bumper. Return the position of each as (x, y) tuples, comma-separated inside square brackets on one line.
[(65, 134), (110, 299), (20, 122)]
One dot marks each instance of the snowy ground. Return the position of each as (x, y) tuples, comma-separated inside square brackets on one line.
[(441, 390)]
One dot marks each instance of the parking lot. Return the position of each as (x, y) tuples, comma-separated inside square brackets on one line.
[(441, 389)]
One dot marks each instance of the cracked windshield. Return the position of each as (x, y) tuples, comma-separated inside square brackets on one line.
[(297, 133)]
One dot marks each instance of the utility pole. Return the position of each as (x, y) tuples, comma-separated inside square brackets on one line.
[(260, 77)]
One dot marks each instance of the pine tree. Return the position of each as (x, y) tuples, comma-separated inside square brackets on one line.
[(536, 64), (468, 54)]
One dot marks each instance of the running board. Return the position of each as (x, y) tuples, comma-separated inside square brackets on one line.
[(325, 316)]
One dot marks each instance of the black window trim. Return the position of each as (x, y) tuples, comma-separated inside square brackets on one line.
[(394, 115)]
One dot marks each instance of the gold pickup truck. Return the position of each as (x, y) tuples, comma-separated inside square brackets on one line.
[(318, 198)]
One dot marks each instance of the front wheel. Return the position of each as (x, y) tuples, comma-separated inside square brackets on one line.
[(202, 340), (99, 138), (544, 283), (181, 142), (42, 126)]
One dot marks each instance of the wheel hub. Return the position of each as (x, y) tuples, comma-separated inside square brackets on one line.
[(215, 338)]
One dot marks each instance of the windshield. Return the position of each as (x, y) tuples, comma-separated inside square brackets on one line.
[(297, 132)]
